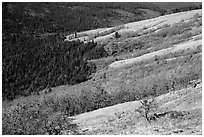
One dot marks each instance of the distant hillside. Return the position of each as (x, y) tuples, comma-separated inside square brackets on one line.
[(34, 53), (43, 26), (63, 17), (156, 58), (171, 5)]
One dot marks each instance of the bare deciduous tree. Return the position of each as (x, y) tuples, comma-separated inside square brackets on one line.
[(147, 106)]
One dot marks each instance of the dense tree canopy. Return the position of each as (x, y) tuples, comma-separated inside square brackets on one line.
[(34, 58)]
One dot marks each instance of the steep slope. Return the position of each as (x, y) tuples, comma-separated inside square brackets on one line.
[(169, 57), (77, 16), (163, 59), (140, 27), (167, 33), (189, 45), (130, 75), (32, 41), (124, 120)]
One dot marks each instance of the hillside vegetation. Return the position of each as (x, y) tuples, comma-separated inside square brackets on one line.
[(179, 113), (35, 56), (174, 5), (33, 28), (159, 57)]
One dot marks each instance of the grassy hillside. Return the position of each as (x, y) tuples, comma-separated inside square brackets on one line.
[(34, 54), (155, 76), (29, 28), (178, 113), (54, 67), (174, 7)]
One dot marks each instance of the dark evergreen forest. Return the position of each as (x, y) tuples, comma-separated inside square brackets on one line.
[(32, 62)]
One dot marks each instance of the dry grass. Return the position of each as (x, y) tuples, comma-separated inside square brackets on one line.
[(163, 52), (122, 119), (160, 68)]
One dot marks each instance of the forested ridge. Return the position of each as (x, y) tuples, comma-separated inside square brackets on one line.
[(48, 17), (38, 64), (31, 62), (34, 54), (49, 79)]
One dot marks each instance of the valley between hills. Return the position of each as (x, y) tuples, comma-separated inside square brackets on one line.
[(158, 58)]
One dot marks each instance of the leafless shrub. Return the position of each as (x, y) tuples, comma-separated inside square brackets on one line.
[(147, 106)]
